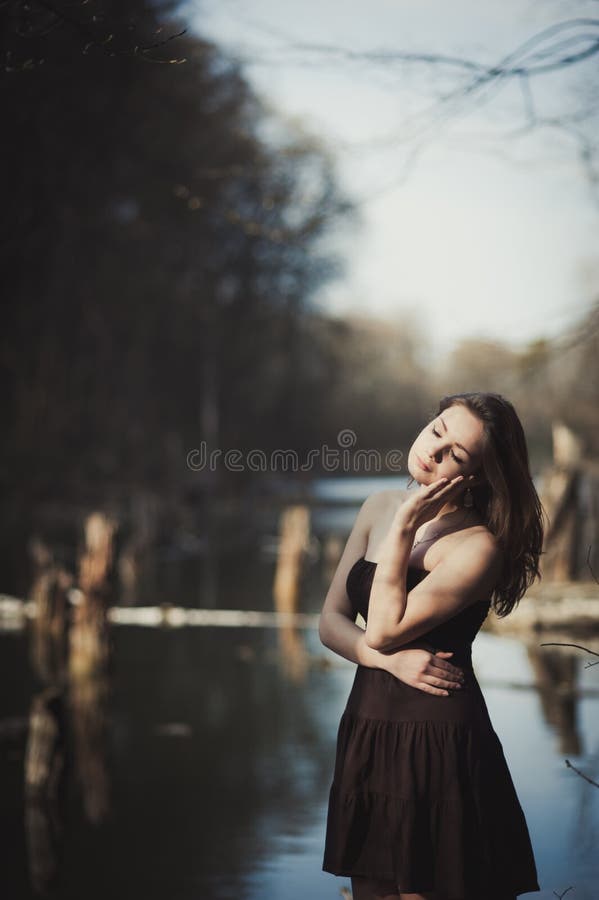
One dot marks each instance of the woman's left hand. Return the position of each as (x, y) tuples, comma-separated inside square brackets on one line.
[(424, 669), (424, 504)]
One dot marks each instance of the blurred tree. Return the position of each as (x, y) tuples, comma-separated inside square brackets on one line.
[(550, 379), (476, 361), (157, 251), (573, 374)]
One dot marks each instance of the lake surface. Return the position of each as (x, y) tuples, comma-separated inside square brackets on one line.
[(204, 771)]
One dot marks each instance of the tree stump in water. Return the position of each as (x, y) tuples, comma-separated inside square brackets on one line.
[(570, 495), (294, 532), (89, 648), (44, 771), (49, 629), (96, 560)]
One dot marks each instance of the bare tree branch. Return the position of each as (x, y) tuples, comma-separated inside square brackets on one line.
[(38, 18), (582, 775), (559, 47)]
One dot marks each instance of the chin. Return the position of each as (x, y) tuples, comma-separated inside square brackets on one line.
[(418, 475)]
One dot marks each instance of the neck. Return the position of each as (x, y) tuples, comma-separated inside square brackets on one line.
[(447, 510)]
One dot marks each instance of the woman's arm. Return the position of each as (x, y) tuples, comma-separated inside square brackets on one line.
[(417, 664), (337, 628), (389, 593), (339, 633), (462, 578)]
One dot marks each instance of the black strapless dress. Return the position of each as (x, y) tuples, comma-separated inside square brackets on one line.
[(421, 794)]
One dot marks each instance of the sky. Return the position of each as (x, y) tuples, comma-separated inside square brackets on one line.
[(471, 232)]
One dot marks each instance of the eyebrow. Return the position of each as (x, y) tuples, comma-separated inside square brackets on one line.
[(461, 446)]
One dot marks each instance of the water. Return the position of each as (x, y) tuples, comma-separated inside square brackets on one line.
[(216, 767), (204, 773), (355, 489)]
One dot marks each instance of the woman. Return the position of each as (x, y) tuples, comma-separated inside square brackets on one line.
[(422, 805)]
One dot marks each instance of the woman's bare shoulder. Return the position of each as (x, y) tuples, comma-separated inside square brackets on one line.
[(480, 539), (385, 497), (381, 504)]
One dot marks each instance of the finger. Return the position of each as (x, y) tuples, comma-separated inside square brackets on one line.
[(454, 483), (446, 668), (437, 660), (444, 664), (446, 682), (429, 689), (444, 486), (451, 681), (437, 485)]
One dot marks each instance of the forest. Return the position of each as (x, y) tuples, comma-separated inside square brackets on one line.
[(163, 238)]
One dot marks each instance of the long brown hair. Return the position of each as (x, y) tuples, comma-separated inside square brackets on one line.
[(508, 500)]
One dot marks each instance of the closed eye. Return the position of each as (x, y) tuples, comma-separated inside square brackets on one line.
[(457, 459)]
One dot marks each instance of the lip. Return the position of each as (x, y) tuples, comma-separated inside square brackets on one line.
[(421, 464)]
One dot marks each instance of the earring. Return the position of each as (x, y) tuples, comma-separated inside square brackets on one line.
[(468, 500)]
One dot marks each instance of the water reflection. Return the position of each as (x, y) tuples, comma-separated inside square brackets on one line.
[(45, 785), (197, 761), (66, 739), (556, 677), (219, 767)]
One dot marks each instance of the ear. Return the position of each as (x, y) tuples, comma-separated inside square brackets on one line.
[(474, 480)]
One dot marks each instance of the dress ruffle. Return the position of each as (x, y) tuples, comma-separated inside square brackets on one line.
[(430, 806)]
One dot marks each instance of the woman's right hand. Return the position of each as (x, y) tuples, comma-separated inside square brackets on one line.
[(428, 671)]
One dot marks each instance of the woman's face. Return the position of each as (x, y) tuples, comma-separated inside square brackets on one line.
[(450, 445)]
